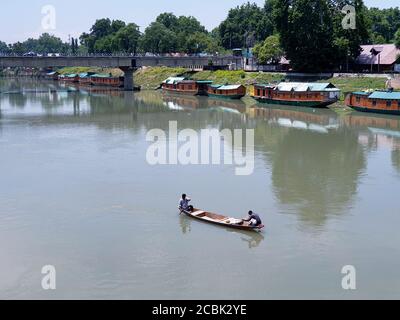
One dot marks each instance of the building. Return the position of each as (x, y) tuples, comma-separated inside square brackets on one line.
[(379, 58)]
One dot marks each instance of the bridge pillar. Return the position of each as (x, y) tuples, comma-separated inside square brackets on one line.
[(128, 78)]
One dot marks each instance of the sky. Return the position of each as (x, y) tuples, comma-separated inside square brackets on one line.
[(21, 19)]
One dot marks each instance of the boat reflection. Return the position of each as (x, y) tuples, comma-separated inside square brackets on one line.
[(253, 239), (318, 120)]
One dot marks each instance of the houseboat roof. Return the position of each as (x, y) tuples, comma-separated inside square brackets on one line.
[(174, 80), (52, 73), (84, 75), (72, 75), (226, 87), (362, 93), (204, 81), (303, 86), (101, 75), (261, 85), (385, 95)]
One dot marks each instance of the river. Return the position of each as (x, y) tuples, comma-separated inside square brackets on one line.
[(77, 193)]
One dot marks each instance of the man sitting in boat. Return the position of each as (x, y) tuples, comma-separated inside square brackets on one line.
[(184, 203), (254, 219)]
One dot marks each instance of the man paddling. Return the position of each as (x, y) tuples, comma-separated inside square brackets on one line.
[(184, 203), (254, 219)]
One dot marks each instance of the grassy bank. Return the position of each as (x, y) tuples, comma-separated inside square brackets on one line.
[(151, 78), (347, 84), (69, 70)]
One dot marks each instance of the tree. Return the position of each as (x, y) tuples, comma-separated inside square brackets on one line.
[(303, 25), (198, 42), (108, 36), (384, 23), (127, 38), (246, 21), (158, 38), (397, 38), (347, 42), (184, 27), (268, 51), (4, 47)]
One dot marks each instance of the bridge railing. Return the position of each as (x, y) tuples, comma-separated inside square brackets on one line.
[(113, 55)]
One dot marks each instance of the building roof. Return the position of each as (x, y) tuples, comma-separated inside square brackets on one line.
[(173, 80), (303, 86), (384, 54), (385, 95)]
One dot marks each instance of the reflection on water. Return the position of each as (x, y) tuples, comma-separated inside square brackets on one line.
[(317, 173), (252, 239)]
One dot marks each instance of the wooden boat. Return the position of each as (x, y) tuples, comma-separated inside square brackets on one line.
[(74, 78), (107, 80), (182, 85), (315, 95), (226, 91), (386, 102), (221, 220)]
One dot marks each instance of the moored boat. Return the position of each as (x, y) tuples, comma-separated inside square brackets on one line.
[(221, 220), (107, 80), (185, 86), (69, 78), (315, 95), (386, 102), (226, 91)]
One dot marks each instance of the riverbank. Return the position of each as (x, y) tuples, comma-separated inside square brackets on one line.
[(150, 78)]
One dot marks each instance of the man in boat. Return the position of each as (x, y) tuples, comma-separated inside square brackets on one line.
[(184, 203), (254, 219)]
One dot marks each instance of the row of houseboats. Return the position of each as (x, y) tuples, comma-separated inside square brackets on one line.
[(88, 78), (314, 95)]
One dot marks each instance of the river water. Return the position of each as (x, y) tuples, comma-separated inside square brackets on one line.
[(77, 193)]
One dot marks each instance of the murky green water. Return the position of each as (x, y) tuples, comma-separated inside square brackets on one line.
[(77, 192)]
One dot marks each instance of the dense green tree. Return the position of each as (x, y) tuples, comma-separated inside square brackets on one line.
[(197, 42), (157, 38), (108, 36), (127, 38), (346, 43), (269, 51), (313, 36), (384, 24), (4, 47), (185, 28), (397, 38), (245, 25), (306, 33)]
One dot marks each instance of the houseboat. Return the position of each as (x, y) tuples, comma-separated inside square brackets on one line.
[(182, 85), (69, 78), (387, 102), (85, 78), (226, 91), (315, 95), (52, 76), (107, 80)]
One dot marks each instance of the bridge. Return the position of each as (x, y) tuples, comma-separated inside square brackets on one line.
[(128, 64)]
